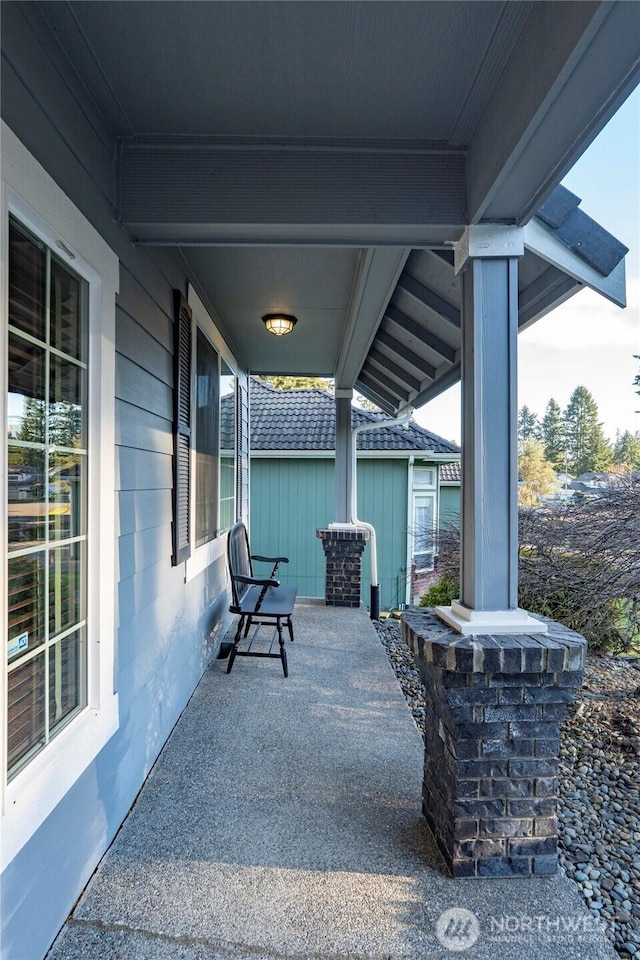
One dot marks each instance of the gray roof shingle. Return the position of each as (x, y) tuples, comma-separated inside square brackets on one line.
[(451, 472), (306, 420)]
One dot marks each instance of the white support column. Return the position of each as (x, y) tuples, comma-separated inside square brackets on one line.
[(489, 254), (343, 471)]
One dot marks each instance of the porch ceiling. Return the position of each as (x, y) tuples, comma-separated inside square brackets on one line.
[(317, 157)]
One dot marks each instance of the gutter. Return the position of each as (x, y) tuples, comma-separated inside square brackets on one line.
[(374, 608)]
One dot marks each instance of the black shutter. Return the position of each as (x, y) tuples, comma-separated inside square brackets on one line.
[(181, 428)]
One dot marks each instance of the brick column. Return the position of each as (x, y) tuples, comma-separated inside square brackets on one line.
[(494, 705), (343, 548)]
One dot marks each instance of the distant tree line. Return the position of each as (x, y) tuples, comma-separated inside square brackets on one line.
[(578, 563), (573, 439)]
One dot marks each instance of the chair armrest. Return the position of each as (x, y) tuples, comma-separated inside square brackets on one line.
[(270, 559), (255, 581)]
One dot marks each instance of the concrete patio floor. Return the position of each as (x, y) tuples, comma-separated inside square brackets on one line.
[(282, 819)]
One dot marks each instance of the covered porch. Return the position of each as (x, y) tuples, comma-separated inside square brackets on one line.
[(388, 174), (283, 818)]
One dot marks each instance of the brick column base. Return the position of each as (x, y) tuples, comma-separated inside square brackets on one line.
[(493, 713), (343, 548)]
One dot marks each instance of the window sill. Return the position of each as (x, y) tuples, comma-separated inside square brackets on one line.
[(34, 793)]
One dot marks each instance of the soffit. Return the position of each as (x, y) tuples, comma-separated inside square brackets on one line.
[(314, 284), (294, 70), (453, 93)]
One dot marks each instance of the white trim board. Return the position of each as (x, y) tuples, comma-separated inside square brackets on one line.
[(33, 196)]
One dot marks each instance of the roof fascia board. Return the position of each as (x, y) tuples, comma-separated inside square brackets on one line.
[(546, 246), (170, 234), (547, 110), (263, 192), (375, 280)]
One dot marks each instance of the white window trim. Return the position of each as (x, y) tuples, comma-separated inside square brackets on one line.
[(203, 556), (419, 493), (419, 482), (37, 201)]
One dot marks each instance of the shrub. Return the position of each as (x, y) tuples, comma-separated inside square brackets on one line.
[(578, 564), (441, 594)]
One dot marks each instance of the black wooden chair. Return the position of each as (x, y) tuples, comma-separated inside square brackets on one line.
[(257, 601)]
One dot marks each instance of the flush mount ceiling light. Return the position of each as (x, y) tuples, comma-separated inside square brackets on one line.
[(279, 324)]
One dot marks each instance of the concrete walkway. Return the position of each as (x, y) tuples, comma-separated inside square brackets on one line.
[(283, 820)]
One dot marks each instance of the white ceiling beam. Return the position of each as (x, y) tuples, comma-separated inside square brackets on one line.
[(387, 383), (573, 66), (199, 192), (388, 365), (420, 333), (374, 392), (404, 353), (430, 299)]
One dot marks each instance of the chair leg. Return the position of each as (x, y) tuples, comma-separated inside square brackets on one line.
[(248, 627), (283, 652), (236, 641), (290, 628)]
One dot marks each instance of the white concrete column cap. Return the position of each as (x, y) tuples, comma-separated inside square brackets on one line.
[(469, 622)]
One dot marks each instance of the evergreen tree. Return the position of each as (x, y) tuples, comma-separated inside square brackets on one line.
[(31, 430), (627, 449), (528, 425), (65, 424), (32, 424), (537, 476), (300, 383), (553, 435), (365, 404), (587, 447)]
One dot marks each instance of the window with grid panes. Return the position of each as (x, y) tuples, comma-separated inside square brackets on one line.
[(47, 516), (424, 517)]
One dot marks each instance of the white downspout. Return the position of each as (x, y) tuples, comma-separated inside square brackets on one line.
[(399, 422)]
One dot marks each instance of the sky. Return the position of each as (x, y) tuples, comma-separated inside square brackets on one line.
[(587, 340)]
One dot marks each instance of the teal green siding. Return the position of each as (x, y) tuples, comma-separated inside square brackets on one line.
[(382, 501), (290, 498), (449, 505)]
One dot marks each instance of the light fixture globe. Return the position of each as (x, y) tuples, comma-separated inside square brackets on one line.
[(279, 324)]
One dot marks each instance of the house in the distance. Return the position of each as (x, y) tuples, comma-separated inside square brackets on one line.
[(450, 483), (399, 482)]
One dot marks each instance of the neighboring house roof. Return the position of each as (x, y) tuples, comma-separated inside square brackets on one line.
[(591, 475), (306, 420), (451, 472)]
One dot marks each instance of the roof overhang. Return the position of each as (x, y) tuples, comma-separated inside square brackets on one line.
[(415, 353), (305, 157)]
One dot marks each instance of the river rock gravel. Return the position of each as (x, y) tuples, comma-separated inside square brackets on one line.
[(599, 801)]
